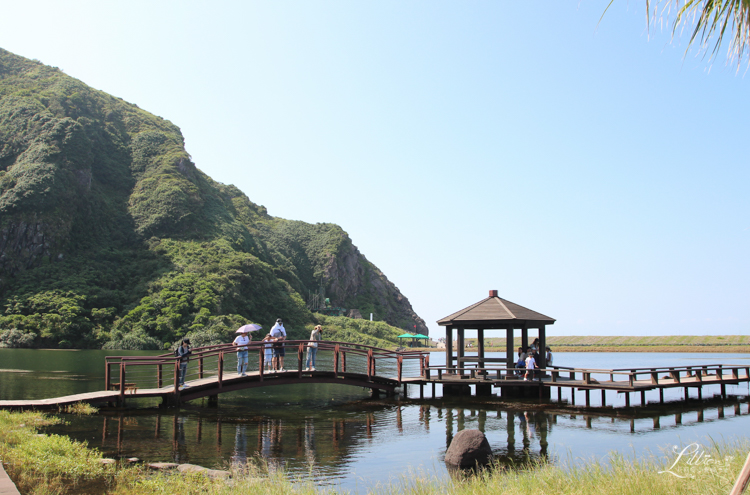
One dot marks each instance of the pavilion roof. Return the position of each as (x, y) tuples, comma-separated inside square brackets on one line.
[(495, 312)]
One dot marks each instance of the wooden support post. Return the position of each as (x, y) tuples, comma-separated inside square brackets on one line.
[(700, 393), (336, 362), (572, 396), (627, 399), (723, 391), (159, 375), (300, 354), (400, 365), (122, 381), (657, 423), (221, 369), (480, 347), (461, 349), (678, 419), (559, 394), (700, 415), (369, 366), (433, 390), (542, 348), (261, 362), (604, 399), (107, 378), (588, 398), (177, 376), (687, 393), (200, 367), (448, 348), (421, 391), (509, 348), (661, 396), (643, 397), (343, 362)]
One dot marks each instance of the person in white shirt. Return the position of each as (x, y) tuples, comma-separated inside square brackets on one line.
[(530, 366), (241, 342), (278, 332)]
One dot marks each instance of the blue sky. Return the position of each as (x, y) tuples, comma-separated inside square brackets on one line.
[(590, 171)]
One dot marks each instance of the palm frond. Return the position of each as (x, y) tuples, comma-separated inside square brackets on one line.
[(711, 21)]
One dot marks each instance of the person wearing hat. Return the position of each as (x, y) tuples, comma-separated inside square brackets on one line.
[(278, 332), (241, 342), (183, 352)]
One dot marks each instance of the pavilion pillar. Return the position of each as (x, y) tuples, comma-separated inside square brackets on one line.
[(449, 348), (542, 347), (480, 347), (524, 338), (461, 346), (509, 347)]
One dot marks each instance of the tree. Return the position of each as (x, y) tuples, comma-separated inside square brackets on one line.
[(709, 21)]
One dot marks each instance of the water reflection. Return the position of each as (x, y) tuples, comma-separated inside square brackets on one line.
[(380, 437)]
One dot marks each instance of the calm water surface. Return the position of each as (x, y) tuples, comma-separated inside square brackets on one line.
[(345, 438)]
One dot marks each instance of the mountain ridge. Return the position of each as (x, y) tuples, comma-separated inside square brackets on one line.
[(111, 235)]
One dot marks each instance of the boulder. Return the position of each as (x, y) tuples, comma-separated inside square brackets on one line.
[(468, 449), (162, 465), (211, 473)]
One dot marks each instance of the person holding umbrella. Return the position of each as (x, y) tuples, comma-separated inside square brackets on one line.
[(241, 342)]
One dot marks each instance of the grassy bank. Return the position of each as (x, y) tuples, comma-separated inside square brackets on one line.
[(50, 464)]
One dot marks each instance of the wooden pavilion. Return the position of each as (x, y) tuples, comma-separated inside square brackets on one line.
[(493, 313)]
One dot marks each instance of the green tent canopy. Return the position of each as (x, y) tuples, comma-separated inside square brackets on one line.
[(406, 336), (420, 336)]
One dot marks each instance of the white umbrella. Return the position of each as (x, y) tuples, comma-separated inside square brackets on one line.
[(252, 327)]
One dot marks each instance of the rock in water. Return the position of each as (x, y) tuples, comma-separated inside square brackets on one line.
[(469, 448)]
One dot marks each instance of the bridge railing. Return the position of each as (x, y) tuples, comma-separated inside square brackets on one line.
[(587, 375), (128, 373)]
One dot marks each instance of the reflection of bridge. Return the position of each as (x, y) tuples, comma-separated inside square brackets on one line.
[(525, 430), (209, 373)]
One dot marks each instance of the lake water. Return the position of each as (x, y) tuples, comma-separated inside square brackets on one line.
[(342, 437)]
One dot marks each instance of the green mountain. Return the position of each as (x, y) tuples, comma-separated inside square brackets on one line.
[(110, 235)]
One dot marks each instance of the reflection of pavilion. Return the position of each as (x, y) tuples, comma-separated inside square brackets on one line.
[(517, 436), (492, 313)]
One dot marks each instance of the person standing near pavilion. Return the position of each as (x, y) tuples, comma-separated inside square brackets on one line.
[(530, 366)]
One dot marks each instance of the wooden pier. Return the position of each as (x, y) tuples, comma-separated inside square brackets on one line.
[(457, 381)]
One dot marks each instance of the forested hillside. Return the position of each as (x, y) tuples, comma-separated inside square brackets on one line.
[(111, 236)]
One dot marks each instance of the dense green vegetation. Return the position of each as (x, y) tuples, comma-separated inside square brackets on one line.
[(110, 235)]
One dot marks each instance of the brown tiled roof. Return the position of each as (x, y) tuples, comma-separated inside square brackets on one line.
[(495, 310)]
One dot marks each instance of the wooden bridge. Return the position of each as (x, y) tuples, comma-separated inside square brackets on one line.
[(380, 370), (138, 377)]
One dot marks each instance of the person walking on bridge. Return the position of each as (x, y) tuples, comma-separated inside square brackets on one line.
[(183, 353), (312, 347), (278, 332), (241, 342)]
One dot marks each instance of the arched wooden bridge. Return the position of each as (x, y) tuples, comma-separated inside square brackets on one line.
[(211, 371)]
